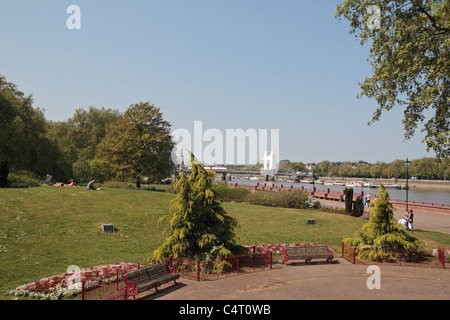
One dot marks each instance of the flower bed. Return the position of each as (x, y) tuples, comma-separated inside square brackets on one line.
[(68, 284), (446, 252)]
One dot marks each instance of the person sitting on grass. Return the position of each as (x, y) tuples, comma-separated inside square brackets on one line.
[(91, 186)]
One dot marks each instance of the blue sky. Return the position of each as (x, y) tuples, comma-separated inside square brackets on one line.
[(262, 64)]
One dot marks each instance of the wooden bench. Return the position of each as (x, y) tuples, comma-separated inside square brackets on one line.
[(148, 278), (307, 253)]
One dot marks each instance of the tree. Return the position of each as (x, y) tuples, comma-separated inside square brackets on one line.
[(397, 169), (323, 168), (344, 169), (138, 144), (425, 168), (382, 232), (358, 207), (4, 171), (410, 58), (296, 166), (444, 169), (88, 128), (198, 227), (348, 192), (24, 144), (377, 169)]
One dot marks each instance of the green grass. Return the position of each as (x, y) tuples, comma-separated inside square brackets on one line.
[(46, 229)]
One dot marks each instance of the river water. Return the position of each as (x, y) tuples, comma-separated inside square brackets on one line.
[(418, 195)]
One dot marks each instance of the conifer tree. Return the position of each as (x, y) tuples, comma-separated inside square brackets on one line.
[(348, 199), (198, 227), (382, 232)]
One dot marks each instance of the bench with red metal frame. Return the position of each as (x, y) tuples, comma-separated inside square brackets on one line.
[(307, 253), (148, 278)]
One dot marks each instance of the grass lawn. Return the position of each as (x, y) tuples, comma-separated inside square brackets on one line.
[(46, 229)]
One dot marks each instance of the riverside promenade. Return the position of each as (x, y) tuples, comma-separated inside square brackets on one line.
[(426, 217), (336, 197), (434, 221)]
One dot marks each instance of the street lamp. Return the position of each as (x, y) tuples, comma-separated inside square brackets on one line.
[(407, 164)]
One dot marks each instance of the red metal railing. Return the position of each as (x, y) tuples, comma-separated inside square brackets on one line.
[(432, 204), (103, 291), (98, 289), (441, 257), (348, 253), (400, 256), (207, 269)]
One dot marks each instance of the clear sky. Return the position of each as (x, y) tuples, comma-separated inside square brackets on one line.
[(262, 64)]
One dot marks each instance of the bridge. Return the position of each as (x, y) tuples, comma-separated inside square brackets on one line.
[(251, 170)]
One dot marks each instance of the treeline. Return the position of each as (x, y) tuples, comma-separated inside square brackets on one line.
[(424, 168), (99, 144)]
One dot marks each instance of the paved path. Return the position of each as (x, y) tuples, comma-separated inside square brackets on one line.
[(319, 281), (422, 220)]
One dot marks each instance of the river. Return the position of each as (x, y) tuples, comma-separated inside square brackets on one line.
[(430, 196)]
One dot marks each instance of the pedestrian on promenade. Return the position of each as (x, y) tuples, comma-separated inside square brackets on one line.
[(410, 221), (405, 220)]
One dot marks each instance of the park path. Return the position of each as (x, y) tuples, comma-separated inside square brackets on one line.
[(319, 281), (422, 220), (322, 280)]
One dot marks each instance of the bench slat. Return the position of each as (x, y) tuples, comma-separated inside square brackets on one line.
[(307, 252), (148, 278)]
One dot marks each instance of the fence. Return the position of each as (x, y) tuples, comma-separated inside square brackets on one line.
[(432, 204), (112, 288), (348, 253), (210, 269), (441, 256), (95, 290), (398, 256)]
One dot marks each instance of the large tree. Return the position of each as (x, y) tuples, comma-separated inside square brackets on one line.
[(410, 58), (24, 144), (197, 226), (139, 143), (88, 128)]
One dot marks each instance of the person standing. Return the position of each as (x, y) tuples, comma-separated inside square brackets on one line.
[(411, 220), (368, 199)]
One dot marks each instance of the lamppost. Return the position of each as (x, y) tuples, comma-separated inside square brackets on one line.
[(407, 164)]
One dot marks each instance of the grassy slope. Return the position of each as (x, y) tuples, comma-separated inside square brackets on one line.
[(44, 230)]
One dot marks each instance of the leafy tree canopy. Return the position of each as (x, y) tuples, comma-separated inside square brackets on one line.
[(139, 143), (410, 58)]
